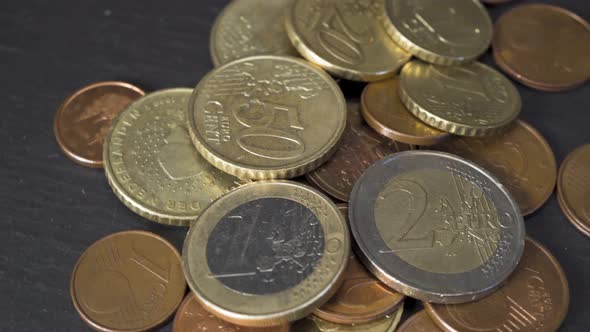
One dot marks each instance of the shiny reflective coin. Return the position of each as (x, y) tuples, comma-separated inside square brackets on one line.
[(435, 227), (543, 46), (573, 188), (359, 147), (419, 322), (315, 324), (267, 117), (84, 119), (446, 32), (128, 281), (267, 253), (535, 298), (191, 316), (470, 100), (345, 37), (383, 110), (152, 166), (250, 27), (520, 158)]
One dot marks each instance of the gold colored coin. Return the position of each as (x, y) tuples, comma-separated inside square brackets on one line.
[(315, 324), (152, 166), (446, 32), (345, 38), (241, 31), (469, 100), (267, 117)]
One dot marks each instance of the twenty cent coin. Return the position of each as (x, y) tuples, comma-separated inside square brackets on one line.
[(315, 324), (267, 253), (573, 188), (419, 322), (435, 227), (84, 119), (128, 281), (152, 166)]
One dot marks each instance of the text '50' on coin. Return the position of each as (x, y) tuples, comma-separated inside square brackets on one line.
[(573, 188), (436, 227), (152, 166), (250, 27), (267, 253), (469, 100), (128, 281), (386, 323), (535, 298), (345, 37), (267, 117), (446, 32)]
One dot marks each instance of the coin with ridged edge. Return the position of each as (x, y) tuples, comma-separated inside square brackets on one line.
[(152, 166), (387, 323), (267, 117), (267, 253)]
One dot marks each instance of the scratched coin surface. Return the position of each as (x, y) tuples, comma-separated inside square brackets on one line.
[(84, 118), (315, 324), (267, 117), (520, 158), (152, 166), (359, 147), (543, 46), (345, 37), (384, 111), (192, 317), (250, 27), (446, 32), (468, 100), (419, 322), (435, 227), (535, 298), (573, 188), (129, 281), (267, 253)]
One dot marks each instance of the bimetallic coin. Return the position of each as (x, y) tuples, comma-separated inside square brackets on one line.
[(447, 33), (345, 37), (573, 188), (83, 120), (383, 110), (359, 147), (469, 100), (543, 46), (419, 322), (250, 27), (267, 253), (520, 158), (267, 117), (152, 166), (435, 227), (129, 281), (535, 298), (315, 324)]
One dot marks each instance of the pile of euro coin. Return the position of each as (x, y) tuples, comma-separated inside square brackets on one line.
[(310, 212)]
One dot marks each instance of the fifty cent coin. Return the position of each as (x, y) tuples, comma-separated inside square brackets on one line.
[(267, 253), (573, 188), (436, 227), (419, 322), (315, 324), (128, 281)]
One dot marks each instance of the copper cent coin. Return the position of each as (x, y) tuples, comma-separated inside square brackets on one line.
[(384, 111), (543, 46), (520, 158), (359, 147), (573, 188), (419, 322), (128, 281), (84, 119), (192, 317), (535, 298)]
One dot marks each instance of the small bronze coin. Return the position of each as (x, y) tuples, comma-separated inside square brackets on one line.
[(312, 323), (84, 119), (384, 111), (543, 46), (191, 316), (359, 147), (573, 188), (419, 322), (535, 298), (520, 158), (128, 281)]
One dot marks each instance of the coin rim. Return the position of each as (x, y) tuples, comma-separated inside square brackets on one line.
[(563, 204), (410, 320)]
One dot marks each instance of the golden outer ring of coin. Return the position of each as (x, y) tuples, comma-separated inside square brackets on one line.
[(228, 202), (63, 146), (96, 326), (268, 173), (567, 210)]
